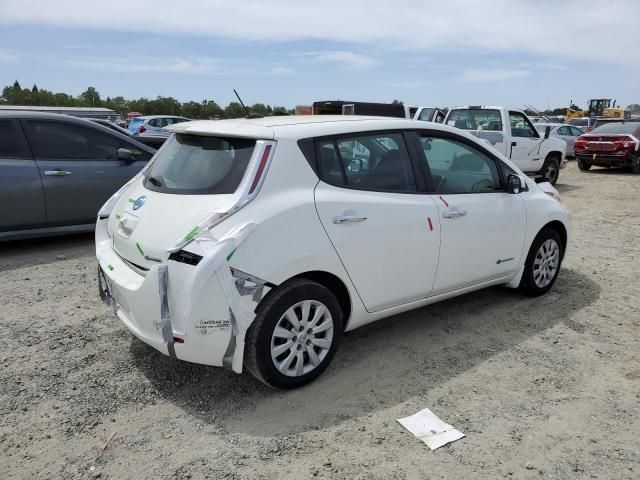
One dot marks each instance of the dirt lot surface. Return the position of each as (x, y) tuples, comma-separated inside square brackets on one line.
[(543, 388)]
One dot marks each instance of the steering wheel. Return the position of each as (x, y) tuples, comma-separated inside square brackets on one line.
[(482, 185)]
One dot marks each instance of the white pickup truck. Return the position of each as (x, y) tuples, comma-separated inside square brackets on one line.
[(511, 133), (426, 114)]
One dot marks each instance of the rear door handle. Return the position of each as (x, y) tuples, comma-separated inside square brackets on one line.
[(454, 213), (348, 219), (57, 173)]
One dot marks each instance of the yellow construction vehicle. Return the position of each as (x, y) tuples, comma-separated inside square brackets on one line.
[(598, 107)]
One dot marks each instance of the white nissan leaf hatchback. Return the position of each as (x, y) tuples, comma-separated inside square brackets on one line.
[(256, 243)]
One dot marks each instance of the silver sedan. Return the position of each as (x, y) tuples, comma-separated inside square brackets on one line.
[(565, 132)]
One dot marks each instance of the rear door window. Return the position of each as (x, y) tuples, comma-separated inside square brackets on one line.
[(199, 165), (9, 141), (368, 162)]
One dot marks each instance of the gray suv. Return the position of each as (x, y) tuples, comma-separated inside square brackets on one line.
[(56, 172)]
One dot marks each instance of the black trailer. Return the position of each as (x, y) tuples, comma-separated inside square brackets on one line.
[(343, 107)]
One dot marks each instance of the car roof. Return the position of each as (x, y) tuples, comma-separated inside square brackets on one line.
[(150, 117), (42, 116), (60, 117), (299, 126)]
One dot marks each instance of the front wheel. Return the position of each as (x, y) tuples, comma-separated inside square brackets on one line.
[(543, 263), (550, 171), (583, 165), (294, 335)]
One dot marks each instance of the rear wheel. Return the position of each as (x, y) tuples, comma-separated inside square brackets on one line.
[(583, 165), (635, 165), (294, 336), (543, 263)]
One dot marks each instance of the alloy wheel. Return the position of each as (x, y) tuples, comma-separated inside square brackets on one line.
[(302, 338), (546, 263)]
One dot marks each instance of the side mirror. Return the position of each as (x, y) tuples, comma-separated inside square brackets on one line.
[(547, 132), (514, 184), (125, 154)]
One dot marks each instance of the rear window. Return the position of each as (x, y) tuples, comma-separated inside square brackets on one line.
[(626, 128), (198, 165), (471, 119)]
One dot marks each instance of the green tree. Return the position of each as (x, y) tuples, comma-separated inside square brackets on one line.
[(90, 98), (234, 110)]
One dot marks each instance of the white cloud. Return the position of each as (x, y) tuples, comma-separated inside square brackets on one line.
[(566, 28), (491, 74), (7, 57), (350, 60), (184, 66)]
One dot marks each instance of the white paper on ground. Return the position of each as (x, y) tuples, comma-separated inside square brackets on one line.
[(430, 429)]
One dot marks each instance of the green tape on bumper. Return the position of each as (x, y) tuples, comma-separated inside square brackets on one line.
[(140, 249)]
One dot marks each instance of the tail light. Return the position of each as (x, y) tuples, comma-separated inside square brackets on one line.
[(142, 129), (581, 142), (623, 143), (260, 171)]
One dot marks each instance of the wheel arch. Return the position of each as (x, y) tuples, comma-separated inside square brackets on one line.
[(331, 282), (561, 230)]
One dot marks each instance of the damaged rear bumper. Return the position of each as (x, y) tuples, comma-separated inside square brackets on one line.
[(198, 313)]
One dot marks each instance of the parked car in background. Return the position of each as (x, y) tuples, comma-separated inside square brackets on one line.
[(565, 132), (511, 133), (57, 170), (153, 124), (586, 123), (255, 243), (613, 144), (111, 125), (151, 139)]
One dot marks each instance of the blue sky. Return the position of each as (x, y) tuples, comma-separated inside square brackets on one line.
[(506, 52)]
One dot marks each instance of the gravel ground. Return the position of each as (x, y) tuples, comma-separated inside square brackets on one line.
[(543, 388)]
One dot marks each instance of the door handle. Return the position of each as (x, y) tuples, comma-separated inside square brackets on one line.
[(348, 219), (454, 213), (57, 173)]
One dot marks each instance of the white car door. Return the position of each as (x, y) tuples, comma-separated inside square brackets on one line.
[(525, 143), (482, 228), (380, 226)]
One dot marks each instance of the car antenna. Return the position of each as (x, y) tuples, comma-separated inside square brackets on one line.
[(249, 114)]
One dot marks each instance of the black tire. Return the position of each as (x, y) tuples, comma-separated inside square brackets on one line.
[(550, 170), (257, 353), (583, 165), (528, 284), (635, 164)]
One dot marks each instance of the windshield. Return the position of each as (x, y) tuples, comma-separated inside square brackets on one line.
[(198, 165), (471, 119), (615, 128)]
